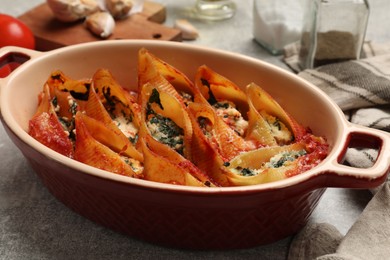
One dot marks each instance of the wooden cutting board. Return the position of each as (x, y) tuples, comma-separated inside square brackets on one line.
[(51, 33)]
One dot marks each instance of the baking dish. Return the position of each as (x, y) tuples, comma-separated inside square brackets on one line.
[(179, 216)]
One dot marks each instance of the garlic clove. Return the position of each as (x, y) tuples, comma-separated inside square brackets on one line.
[(188, 31), (119, 8), (101, 24), (72, 10)]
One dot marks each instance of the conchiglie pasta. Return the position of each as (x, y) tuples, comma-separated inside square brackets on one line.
[(162, 165), (46, 128), (264, 164), (164, 119), (162, 75), (214, 142), (205, 131), (95, 109), (215, 87), (116, 99), (269, 123), (89, 151), (46, 125)]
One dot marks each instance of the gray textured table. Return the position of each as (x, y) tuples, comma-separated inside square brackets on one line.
[(34, 225)]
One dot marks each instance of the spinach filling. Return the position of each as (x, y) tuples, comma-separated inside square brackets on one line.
[(276, 161), (167, 132), (164, 129), (68, 124), (279, 160)]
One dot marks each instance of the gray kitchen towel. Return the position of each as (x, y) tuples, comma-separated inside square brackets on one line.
[(361, 88), (368, 238)]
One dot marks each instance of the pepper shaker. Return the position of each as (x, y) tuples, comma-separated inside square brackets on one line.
[(333, 31)]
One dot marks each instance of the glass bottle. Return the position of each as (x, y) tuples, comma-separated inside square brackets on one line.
[(214, 10), (333, 31), (277, 23)]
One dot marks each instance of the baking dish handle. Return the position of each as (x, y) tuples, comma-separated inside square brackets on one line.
[(12, 57), (340, 175)]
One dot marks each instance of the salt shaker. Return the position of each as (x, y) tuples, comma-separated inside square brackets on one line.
[(277, 23), (333, 31)]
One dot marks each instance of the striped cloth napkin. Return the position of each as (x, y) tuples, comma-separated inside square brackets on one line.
[(361, 88)]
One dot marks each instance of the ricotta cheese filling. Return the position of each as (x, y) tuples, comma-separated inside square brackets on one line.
[(126, 125), (231, 116), (135, 165), (67, 123), (279, 160), (187, 98), (279, 130)]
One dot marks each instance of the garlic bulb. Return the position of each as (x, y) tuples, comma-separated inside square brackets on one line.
[(72, 10), (101, 24), (188, 31), (119, 8)]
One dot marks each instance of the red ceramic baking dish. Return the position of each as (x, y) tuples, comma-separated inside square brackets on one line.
[(180, 216)]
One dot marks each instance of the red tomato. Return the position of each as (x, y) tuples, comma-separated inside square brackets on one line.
[(14, 32)]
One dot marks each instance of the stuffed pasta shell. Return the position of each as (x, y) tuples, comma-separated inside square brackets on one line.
[(166, 77), (54, 121), (45, 126), (90, 151), (162, 165), (166, 136), (65, 101), (165, 120), (206, 131), (214, 142), (67, 96), (268, 122), (273, 163), (119, 103), (95, 109), (225, 97)]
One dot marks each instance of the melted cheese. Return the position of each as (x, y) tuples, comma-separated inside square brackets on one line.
[(128, 128), (284, 158), (279, 160), (279, 130), (135, 165), (231, 116)]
